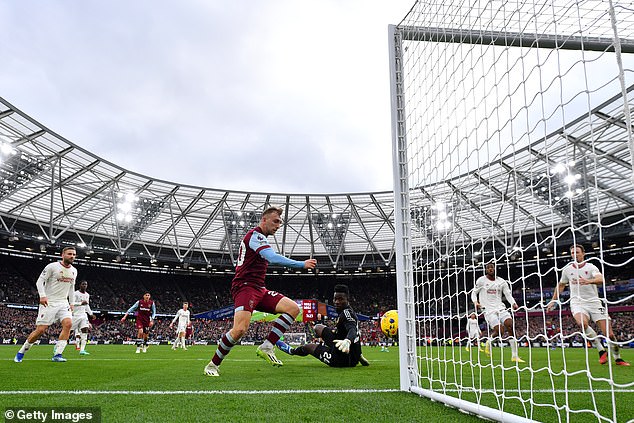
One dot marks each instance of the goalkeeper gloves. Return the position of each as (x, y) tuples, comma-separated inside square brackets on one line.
[(343, 345)]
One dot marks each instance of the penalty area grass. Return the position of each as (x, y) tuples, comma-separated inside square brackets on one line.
[(165, 386)]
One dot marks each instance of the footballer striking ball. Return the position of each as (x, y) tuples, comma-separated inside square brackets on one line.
[(389, 323)]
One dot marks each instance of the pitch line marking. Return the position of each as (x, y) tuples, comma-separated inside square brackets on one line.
[(280, 392), (221, 392)]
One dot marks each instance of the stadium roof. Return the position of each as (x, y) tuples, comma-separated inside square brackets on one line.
[(53, 189), (54, 192)]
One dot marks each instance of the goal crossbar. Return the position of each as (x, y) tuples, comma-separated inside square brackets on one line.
[(513, 39)]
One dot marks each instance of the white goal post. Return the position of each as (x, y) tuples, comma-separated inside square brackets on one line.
[(512, 140)]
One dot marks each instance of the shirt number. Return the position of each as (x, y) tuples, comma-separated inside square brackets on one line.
[(241, 253)]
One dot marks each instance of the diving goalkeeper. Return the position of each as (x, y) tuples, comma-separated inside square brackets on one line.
[(341, 348)]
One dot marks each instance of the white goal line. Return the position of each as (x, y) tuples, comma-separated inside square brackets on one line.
[(286, 391), (221, 392)]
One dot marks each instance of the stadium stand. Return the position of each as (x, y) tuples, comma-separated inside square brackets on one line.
[(113, 291)]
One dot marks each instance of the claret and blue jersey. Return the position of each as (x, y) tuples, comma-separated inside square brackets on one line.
[(254, 257)]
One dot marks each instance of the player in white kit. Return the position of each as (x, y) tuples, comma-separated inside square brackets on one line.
[(183, 320), (55, 287), (583, 278), (81, 313), (487, 294), (473, 332)]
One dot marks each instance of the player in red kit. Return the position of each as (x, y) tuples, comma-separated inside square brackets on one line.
[(146, 311), (189, 333), (551, 333), (374, 336), (249, 291)]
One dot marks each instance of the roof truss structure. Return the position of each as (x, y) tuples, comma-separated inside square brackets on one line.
[(62, 194), (56, 191)]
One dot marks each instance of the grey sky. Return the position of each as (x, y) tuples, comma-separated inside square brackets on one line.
[(271, 96)]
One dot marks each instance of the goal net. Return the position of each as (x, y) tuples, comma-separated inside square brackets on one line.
[(512, 141)]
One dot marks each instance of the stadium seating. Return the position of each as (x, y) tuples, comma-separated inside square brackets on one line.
[(114, 291)]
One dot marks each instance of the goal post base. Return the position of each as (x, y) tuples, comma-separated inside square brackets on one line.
[(470, 407)]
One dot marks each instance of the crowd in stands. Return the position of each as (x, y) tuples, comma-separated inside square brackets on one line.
[(15, 323), (535, 327), (113, 291), (18, 323), (117, 290)]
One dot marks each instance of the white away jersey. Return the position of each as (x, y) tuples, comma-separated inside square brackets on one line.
[(57, 282), (473, 327), (570, 276), (182, 316), (490, 293), (80, 297)]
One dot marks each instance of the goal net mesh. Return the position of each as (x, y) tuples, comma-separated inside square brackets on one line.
[(513, 140)]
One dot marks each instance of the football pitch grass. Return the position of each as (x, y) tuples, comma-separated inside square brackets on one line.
[(165, 385)]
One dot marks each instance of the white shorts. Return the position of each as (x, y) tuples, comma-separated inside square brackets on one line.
[(181, 328), (473, 335), (595, 310), (80, 321), (53, 313), (496, 317)]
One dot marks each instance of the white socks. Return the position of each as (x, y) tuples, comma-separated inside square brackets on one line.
[(513, 343), (84, 339), (59, 347), (616, 351), (25, 347), (593, 337)]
